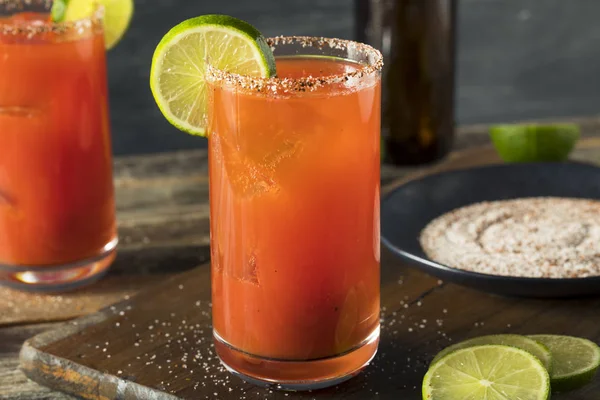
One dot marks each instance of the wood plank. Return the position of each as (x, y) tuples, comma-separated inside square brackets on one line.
[(586, 150), (19, 307), (136, 267), (160, 167)]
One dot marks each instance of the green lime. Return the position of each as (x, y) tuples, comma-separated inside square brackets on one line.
[(489, 372), (534, 143), (518, 341), (117, 15), (59, 8), (179, 62), (576, 360)]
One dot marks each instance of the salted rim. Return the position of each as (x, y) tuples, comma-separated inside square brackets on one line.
[(33, 28), (278, 85)]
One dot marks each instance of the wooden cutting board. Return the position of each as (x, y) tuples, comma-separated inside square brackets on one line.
[(158, 345)]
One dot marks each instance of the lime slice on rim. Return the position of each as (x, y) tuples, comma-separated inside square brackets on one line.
[(179, 63), (576, 360), (534, 143), (521, 342), (117, 15), (489, 372)]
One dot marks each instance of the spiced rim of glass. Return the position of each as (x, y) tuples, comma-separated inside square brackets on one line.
[(371, 66), (12, 7)]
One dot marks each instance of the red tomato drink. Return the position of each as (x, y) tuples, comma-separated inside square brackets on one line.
[(57, 212), (294, 197)]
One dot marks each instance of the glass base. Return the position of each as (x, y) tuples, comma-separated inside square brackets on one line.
[(297, 375), (58, 278)]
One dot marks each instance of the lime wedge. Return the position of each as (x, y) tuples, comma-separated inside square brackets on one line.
[(576, 360), (179, 63), (518, 341), (489, 372), (534, 143), (117, 15)]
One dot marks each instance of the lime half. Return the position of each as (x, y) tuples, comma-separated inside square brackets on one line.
[(117, 15), (576, 360), (534, 143), (522, 342), (489, 372), (179, 63)]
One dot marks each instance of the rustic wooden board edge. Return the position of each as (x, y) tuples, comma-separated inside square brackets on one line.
[(49, 370), (53, 371)]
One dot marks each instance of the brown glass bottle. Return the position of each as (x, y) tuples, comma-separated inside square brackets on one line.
[(417, 39)]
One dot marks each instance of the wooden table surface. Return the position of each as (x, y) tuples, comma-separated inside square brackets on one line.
[(162, 203)]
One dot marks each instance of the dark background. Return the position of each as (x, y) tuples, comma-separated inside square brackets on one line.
[(517, 59)]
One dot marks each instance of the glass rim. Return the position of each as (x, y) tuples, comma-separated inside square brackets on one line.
[(276, 84), (35, 27)]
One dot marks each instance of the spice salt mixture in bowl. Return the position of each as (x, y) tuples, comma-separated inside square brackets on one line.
[(542, 237)]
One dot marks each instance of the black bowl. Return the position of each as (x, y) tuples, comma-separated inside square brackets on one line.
[(409, 208)]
